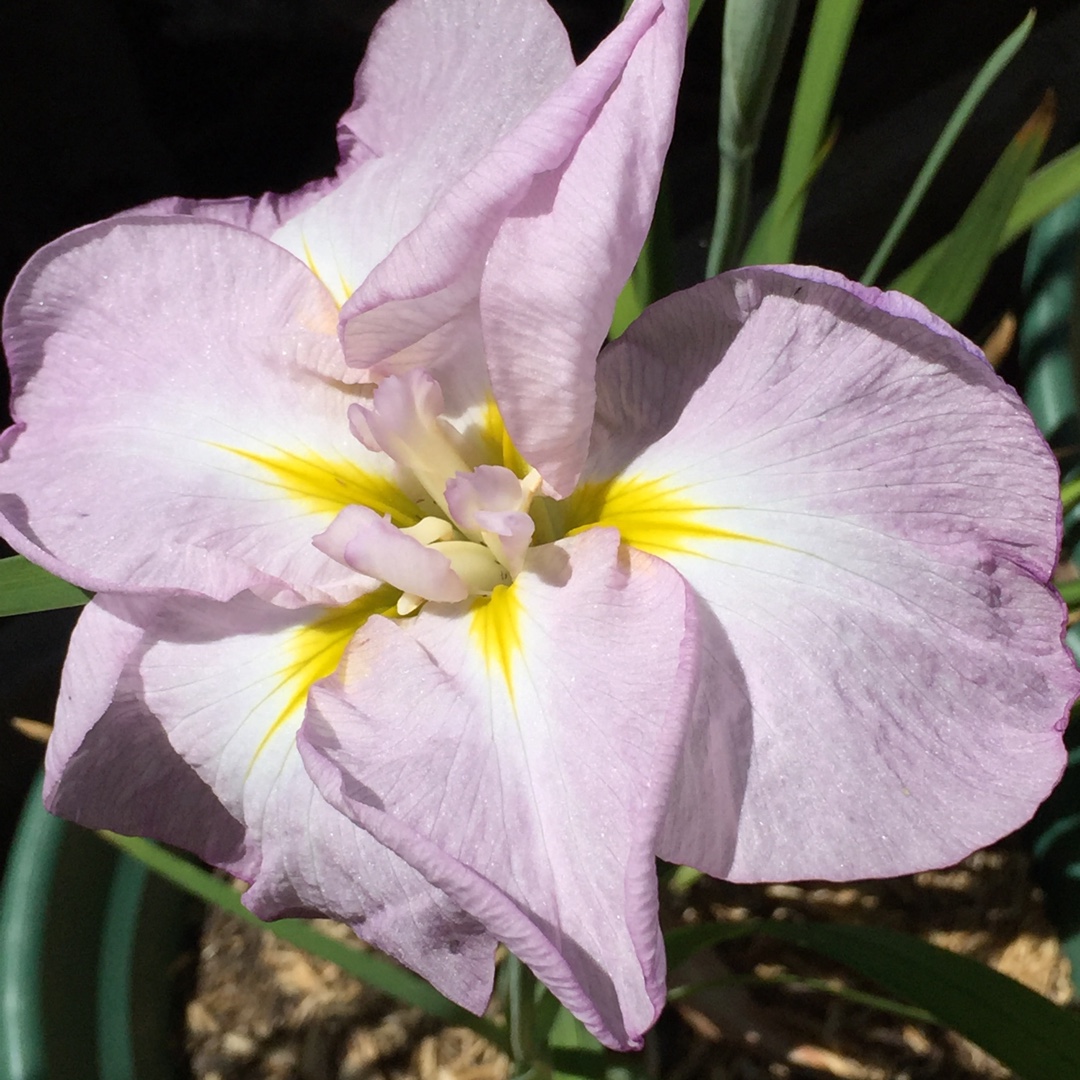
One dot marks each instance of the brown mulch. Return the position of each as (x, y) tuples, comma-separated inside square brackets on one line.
[(263, 1010)]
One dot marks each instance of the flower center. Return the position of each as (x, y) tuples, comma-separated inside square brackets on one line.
[(477, 527)]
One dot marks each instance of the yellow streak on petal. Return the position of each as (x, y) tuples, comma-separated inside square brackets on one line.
[(343, 290), (315, 652), (652, 515), (496, 629), (327, 487), (497, 442)]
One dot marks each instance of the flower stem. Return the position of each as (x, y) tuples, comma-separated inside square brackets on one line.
[(529, 1060)]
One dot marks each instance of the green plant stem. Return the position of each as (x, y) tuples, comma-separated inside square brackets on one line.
[(756, 34), (1070, 494), (526, 1056)]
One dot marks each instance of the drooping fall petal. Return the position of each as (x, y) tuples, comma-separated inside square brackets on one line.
[(171, 432), (190, 738), (519, 756), (560, 259), (107, 767), (872, 517)]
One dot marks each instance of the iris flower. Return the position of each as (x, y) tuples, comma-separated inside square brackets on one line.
[(420, 607)]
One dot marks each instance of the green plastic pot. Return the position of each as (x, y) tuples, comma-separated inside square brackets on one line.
[(91, 949)]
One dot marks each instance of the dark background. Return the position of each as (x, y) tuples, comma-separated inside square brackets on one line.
[(108, 103)]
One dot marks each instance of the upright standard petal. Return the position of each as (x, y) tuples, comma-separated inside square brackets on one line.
[(441, 83), (519, 755), (566, 250), (544, 230), (178, 720), (873, 518), (171, 431)]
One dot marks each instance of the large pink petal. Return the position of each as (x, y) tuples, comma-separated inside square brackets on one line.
[(171, 432), (178, 720), (573, 186), (526, 776), (891, 518)]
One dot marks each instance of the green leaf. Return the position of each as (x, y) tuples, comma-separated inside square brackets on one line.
[(369, 967), (684, 941), (975, 93), (757, 249), (803, 982), (570, 1061), (25, 587), (576, 1053), (629, 305), (830, 35), (1045, 190), (692, 13), (568, 1033), (1070, 494), (1035, 1038), (947, 278), (1070, 592)]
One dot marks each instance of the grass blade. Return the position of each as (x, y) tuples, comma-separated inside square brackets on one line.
[(1032, 1036), (975, 93), (948, 276), (757, 248), (1045, 190), (830, 35)]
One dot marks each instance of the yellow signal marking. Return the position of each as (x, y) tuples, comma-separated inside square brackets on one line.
[(652, 515), (315, 652), (327, 487), (496, 629)]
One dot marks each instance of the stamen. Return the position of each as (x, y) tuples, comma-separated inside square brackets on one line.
[(475, 564), (430, 530), (405, 422), (361, 539), (491, 500)]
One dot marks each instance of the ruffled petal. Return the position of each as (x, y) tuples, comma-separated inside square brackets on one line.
[(169, 431), (585, 164), (519, 752), (110, 766), (873, 518), (178, 720), (442, 81)]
